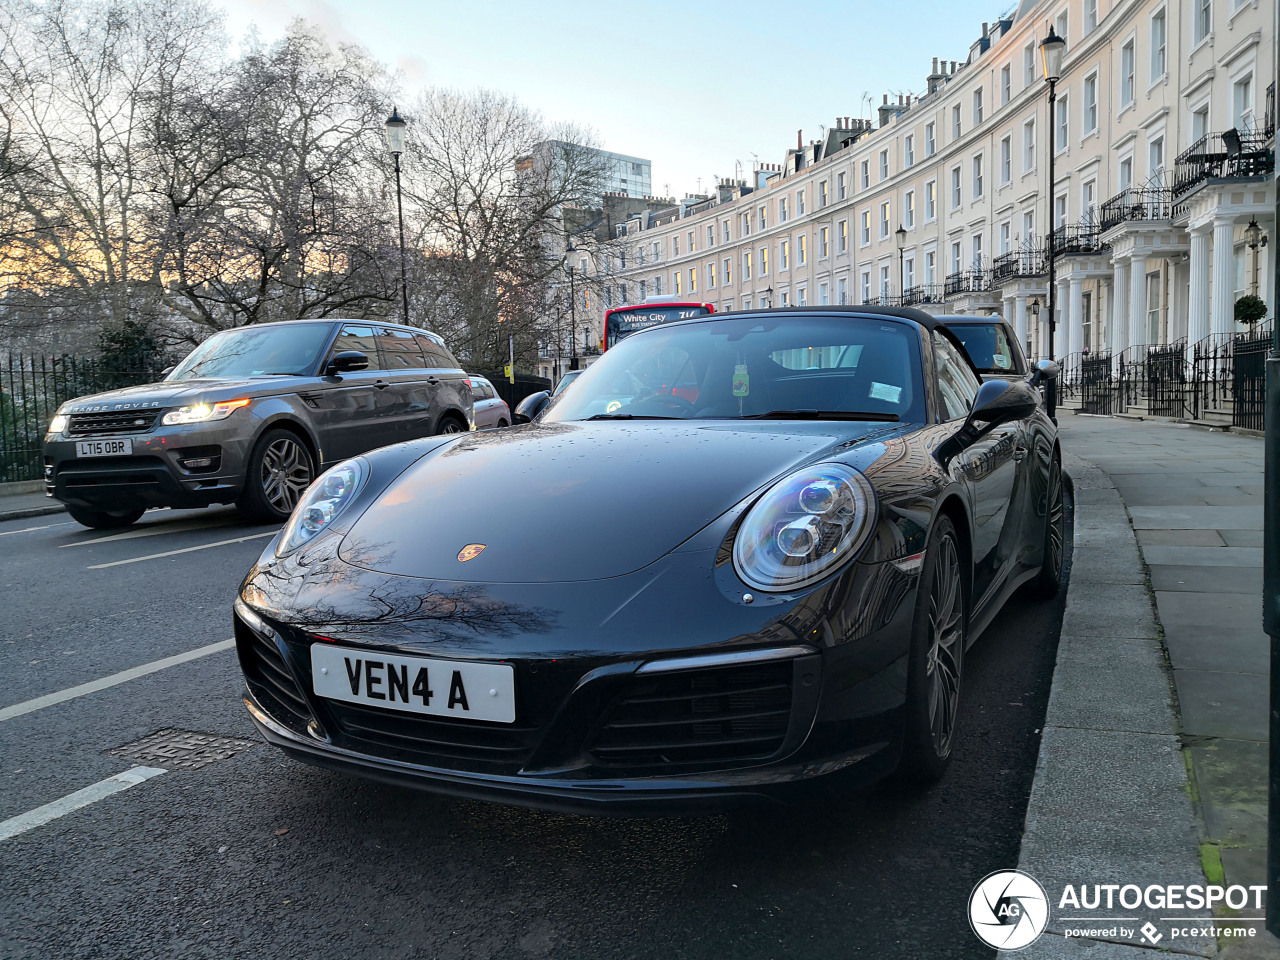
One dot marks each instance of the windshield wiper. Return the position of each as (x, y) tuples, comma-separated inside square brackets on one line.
[(821, 415), (629, 416)]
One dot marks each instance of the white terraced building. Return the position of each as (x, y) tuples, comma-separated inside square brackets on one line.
[(1164, 155)]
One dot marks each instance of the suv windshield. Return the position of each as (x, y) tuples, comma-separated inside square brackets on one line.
[(987, 345), (789, 367), (291, 349)]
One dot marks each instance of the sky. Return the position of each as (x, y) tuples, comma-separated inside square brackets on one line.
[(703, 89)]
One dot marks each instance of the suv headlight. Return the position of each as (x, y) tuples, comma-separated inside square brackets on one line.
[(803, 526), (58, 423), (203, 412), (322, 504)]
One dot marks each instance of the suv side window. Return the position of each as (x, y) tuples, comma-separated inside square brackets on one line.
[(957, 384), (400, 350), (359, 337), (436, 356)]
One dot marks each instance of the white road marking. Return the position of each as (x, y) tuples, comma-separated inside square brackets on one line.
[(74, 801), (174, 553), (10, 533), (152, 530), (124, 676)]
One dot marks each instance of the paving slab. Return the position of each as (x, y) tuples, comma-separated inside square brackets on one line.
[(1182, 538), (1196, 518), (1233, 804), (1241, 538), (1233, 650), (1111, 560), (1216, 704), (1112, 610), (1054, 947), (1207, 579), (1102, 683)]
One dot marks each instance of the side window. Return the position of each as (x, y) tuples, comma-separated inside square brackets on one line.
[(400, 350), (359, 338), (436, 355), (957, 384), (481, 390)]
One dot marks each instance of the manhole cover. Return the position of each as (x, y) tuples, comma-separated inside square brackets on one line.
[(184, 749)]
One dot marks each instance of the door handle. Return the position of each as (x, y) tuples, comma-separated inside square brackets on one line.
[(433, 380), (382, 384), (1019, 452)]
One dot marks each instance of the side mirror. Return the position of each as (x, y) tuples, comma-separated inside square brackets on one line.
[(529, 408), (1044, 370), (345, 362), (168, 370), (997, 402)]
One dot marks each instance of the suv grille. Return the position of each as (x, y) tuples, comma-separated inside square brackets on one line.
[(112, 422), (701, 717)]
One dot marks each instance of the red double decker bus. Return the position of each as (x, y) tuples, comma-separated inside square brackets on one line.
[(621, 322)]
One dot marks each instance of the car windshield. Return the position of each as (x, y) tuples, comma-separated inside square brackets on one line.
[(988, 346), (755, 366), (291, 349)]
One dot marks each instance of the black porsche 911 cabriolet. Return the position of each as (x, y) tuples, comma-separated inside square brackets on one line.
[(743, 557)]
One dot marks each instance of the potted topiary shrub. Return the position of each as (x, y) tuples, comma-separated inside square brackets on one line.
[(1250, 309)]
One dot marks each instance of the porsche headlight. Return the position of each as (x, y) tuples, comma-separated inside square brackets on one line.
[(803, 526), (322, 504)]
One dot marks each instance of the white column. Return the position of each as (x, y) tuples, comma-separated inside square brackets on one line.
[(1137, 299), (1020, 320), (1075, 315), (1120, 315), (1006, 309), (1198, 292), (1222, 312), (1062, 320)]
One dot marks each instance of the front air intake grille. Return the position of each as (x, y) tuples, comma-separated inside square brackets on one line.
[(705, 718), (115, 422), (269, 678), (434, 741)]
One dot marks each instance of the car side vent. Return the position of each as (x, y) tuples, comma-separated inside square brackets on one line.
[(312, 400), (697, 718)]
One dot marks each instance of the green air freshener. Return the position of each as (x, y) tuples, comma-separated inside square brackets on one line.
[(741, 381)]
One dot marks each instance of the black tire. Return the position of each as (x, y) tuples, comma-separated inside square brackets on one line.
[(503, 423), (450, 424), (278, 472), (104, 520), (1049, 580), (939, 633)]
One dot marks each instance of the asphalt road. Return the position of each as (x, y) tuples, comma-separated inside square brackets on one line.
[(259, 856)]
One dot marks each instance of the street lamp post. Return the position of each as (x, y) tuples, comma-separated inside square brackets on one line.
[(573, 360), (1033, 321), (1254, 238), (1052, 48), (395, 145), (768, 297), (901, 235)]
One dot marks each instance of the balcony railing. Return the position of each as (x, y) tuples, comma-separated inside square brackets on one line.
[(886, 301), (923, 293), (967, 281), (1269, 113), (1137, 203), (1217, 155), (1076, 238), (1017, 263)]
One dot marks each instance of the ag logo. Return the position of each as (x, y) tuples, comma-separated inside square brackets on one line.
[(470, 552), (1008, 910)]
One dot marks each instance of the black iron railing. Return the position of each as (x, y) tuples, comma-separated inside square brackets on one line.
[(966, 281), (1228, 376), (1097, 384), (1017, 263), (1269, 112), (886, 301), (1076, 238), (1236, 153), (924, 293), (1144, 203)]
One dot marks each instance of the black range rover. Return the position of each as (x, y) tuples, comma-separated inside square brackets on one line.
[(250, 417)]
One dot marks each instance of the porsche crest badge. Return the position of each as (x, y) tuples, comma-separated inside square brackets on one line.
[(470, 552)]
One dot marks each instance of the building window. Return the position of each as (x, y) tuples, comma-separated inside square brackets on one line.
[(930, 141), (1059, 211), (909, 210), (1242, 103), (822, 194), (762, 213), (746, 303), (724, 232), (1005, 234), (884, 281), (955, 122), (711, 235), (644, 289), (657, 286), (782, 209), (884, 220), (1089, 110), (1006, 160), (1159, 39), (675, 282), (1029, 228), (675, 246), (930, 267), (1029, 64), (842, 291), (977, 176), (824, 297), (1199, 123), (764, 261), (1090, 16), (955, 257), (784, 255), (842, 236), (976, 246), (1155, 161), (977, 106), (1126, 174), (800, 202), (1202, 16), (711, 274), (865, 237), (931, 201), (1089, 201), (884, 164), (909, 150), (802, 297), (786, 298), (608, 295), (727, 263), (1028, 146), (802, 249), (746, 224), (1062, 25), (908, 273), (1061, 133), (746, 265), (693, 279), (824, 243), (866, 174), (955, 188), (866, 285), (840, 190), (1126, 75), (1006, 84), (692, 246)]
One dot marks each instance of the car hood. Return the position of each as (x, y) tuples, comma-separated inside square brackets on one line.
[(576, 500), (176, 393)]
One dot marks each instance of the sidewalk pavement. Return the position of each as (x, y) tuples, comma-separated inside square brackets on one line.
[(19, 501), (1111, 799)]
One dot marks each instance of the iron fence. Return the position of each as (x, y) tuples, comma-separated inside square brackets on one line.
[(1237, 153), (923, 293), (32, 388), (966, 281), (1229, 376), (1166, 369), (1017, 263), (1146, 203), (1097, 391), (1076, 238)]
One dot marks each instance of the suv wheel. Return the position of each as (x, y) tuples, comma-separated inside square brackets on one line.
[(101, 519), (279, 471), (451, 424)]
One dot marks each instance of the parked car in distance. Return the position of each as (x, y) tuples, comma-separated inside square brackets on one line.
[(799, 522), (491, 410), (251, 417), (567, 379), (991, 343)]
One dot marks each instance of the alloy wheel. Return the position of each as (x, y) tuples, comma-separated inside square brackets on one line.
[(286, 474), (1057, 520), (451, 426), (946, 647)]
